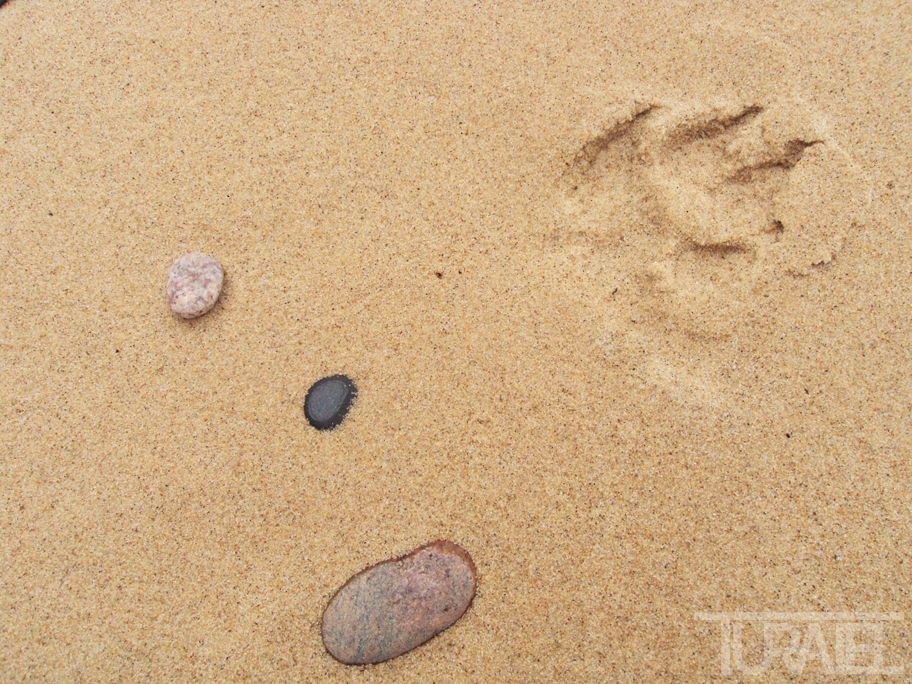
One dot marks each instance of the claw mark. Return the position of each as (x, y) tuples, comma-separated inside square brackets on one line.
[(720, 175)]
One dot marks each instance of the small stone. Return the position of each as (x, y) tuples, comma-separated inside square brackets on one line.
[(397, 605), (328, 401), (194, 285)]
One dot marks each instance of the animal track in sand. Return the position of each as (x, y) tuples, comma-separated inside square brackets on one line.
[(691, 208), (718, 180)]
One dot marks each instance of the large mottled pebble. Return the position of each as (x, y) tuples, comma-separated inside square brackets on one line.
[(328, 401), (394, 606), (194, 285)]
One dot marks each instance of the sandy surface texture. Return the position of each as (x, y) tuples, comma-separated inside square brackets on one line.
[(624, 287)]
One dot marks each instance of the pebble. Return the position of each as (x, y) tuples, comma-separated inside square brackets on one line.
[(397, 605), (194, 285), (328, 401)]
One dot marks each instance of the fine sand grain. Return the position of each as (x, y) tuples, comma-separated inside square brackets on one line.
[(624, 288)]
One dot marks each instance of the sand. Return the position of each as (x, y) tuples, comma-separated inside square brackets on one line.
[(624, 288)]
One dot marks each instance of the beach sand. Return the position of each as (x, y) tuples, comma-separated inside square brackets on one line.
[(624, 288)]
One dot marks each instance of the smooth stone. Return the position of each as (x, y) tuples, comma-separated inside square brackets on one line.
[(328, 401), (397, 605), (194, 285)]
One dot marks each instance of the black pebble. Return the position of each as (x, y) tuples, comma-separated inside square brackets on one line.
[(328, 400)]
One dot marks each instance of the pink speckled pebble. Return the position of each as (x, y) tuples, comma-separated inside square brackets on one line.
[(194, 285)]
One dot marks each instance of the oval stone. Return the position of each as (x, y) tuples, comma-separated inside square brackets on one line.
[(328, 401), (395, 606), (194, 285)]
